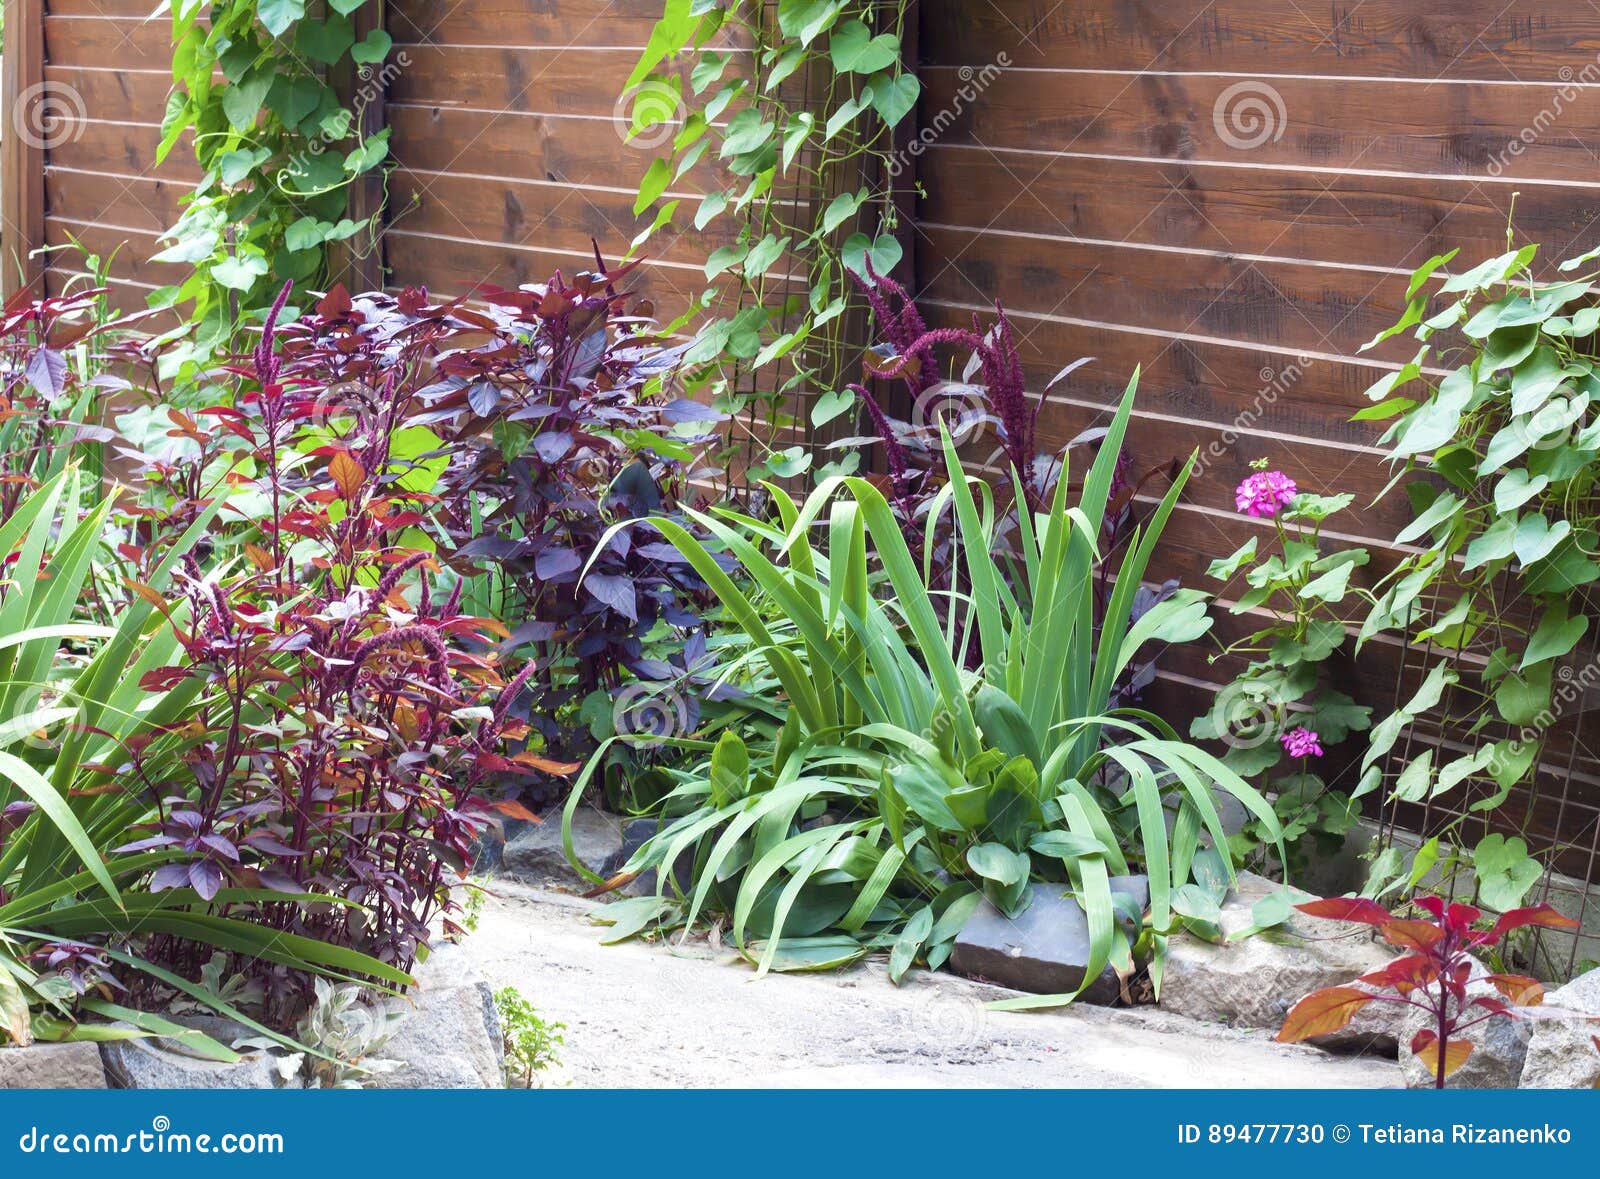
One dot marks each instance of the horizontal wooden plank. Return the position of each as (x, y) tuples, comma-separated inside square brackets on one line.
[(124, 148), (105, 40), (132, 10), (1320, 122), (454, 265), (128, 252), (114, 95), (1519, 40), (1361, 219), (576, 150), (1286, 304), (1259, 392), (579, 23), (555, 216), (542, 81), (127, 202)]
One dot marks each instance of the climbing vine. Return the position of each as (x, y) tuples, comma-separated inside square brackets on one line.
[(791, 113), (279, 146)]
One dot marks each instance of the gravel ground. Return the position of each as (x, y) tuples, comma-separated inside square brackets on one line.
[(652, 1016)]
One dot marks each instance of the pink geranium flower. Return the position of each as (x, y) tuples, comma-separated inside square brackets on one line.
[(1265, 493), (1302, 742)]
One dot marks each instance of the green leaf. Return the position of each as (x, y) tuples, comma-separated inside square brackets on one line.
[(1536, 537), (830, 405), (1516, 488), (654, 183), (856, 51), (1443, 509), (1412, 784), (885, 250), (805, 20), (995, 861), (764, 254), (1520, 698), (239, 274), (894, 98), (669, 35), (841, 209), (1556, 635), (278, 15), (55, 808), (325, 41), (373, 49), (1505, 871), (1225, 567), (710, 206), (241, 102), (909, 944), (305, 234)]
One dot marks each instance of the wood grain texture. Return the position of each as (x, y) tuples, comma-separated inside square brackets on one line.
[(1370, 123), (548, 23), (30, 122), (1109, 187), (1351, 217), (1519, 40)]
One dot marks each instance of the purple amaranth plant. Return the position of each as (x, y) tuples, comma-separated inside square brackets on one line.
[(910, 355)]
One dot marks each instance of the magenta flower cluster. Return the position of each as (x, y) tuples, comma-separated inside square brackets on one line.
[(1302, 742), (1265, 493)]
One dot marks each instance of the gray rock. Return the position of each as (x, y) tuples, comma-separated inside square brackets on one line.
[(535, 853), (167, 1063), (1499, 1048), (1044, 949), (1561, 1052), (1253, 982), (451, 1037), (635, 834), (52, 1066)]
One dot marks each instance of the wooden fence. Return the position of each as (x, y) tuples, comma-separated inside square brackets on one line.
[(1228, 193)]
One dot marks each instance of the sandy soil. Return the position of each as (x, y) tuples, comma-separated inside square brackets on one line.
[(647, 1016)]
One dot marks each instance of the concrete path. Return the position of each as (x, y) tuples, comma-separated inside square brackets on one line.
[(646, 1015)]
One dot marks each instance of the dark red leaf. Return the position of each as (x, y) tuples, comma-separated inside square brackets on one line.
[(1322, 1012), (1348, 909)]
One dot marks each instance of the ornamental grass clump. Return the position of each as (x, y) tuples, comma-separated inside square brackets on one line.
[(962, 749)]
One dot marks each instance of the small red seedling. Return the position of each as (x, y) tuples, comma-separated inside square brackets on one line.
[(1433, 977)]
